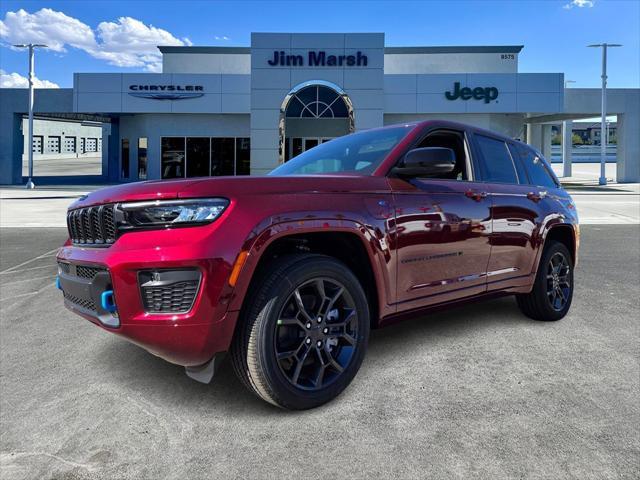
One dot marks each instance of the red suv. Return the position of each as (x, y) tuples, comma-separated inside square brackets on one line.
[(289, 272)]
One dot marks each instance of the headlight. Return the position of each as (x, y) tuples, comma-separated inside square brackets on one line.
[(168, 213)]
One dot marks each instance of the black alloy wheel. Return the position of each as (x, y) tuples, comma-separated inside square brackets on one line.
[(316, 333), (303, 332), (552, 292), (558, 286)]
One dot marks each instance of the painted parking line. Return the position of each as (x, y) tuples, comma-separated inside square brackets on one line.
[(50, 253), (13, 282), (28, 294), (29, 269)]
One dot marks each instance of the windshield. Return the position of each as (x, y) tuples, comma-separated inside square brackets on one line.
[(359, 153)]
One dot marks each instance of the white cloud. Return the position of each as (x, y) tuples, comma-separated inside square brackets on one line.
[(47, 26), (223, 38), (579, 4), (15, 80), (127, 42)]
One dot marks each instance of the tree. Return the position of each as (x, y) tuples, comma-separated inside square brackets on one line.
[(576, 139)]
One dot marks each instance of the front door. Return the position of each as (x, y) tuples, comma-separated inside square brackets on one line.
[(442, 228), (442, 239)]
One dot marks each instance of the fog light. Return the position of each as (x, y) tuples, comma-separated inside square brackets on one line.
[(169, 291)]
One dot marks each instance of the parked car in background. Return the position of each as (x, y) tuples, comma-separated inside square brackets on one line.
[(288, 273)]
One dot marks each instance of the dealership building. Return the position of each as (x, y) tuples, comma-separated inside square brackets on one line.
[(245, 110)]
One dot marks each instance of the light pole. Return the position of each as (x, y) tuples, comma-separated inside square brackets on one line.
[(603, 119), (31, 47)]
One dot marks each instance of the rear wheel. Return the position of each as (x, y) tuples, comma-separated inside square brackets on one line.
[(304, 332), (550, 298)]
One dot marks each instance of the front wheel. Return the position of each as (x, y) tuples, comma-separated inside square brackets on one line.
[(304, 332), (552, 291)]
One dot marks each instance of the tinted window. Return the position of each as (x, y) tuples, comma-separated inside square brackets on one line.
[(454, 141), (172, 153), (124, 151), (359, 153), (536, 168), (515, 156), (496, 164)]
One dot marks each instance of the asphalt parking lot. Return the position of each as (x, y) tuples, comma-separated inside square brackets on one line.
[(479, 391)]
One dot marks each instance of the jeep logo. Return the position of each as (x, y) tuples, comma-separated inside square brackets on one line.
[(479, 93)]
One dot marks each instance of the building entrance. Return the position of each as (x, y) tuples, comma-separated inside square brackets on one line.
[(313, 113)]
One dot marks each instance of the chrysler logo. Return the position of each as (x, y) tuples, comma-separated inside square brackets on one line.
[(166, 92)]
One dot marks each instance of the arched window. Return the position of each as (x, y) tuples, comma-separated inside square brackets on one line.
[(316, 101)]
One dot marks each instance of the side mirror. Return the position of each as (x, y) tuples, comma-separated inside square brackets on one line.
[(427, 162)]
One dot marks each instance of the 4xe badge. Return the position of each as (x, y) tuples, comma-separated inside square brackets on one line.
[(479, 93)]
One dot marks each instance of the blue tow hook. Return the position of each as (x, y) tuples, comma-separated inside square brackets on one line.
[(107, 301), (58, 286)]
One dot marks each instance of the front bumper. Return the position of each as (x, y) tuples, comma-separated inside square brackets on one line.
[(190, 338)]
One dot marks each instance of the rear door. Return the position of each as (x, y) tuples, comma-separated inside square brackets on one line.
[(515, 212)]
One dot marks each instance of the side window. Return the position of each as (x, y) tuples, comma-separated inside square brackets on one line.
[(517, 161), (454, 141), (496, 164), (536, 168)]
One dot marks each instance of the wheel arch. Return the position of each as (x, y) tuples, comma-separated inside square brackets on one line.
[(349, 242), (565, 233)]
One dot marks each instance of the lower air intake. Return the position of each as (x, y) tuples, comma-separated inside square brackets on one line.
[(168, 291)]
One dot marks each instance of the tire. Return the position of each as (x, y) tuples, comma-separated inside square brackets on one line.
[(552, 293), (292, 349)]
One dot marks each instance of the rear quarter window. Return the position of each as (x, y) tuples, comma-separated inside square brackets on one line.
[(495, 164), (537, 168)]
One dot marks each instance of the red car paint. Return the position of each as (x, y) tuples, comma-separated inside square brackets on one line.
[(487, 241)]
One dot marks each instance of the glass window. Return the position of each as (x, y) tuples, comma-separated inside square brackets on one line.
[(515, 156), (53, 144), (359, 153), (198, 153), (124, 158), (142, 158), (243, 155), (296, 146), (70, 144), (455, 141), (537, 168), (37, 144), (222, 156), (92, 144), (317, 101), (172, 153), (496, 164)]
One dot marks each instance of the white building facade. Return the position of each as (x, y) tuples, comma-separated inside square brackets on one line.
[(245, 110)]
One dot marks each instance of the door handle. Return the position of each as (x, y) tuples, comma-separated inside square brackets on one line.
[(536, 196), (477, 196)]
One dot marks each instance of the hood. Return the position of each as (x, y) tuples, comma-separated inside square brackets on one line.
[(232, 187), (151, 190), (273, 185)]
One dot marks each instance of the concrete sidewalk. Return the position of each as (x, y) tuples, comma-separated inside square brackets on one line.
[(615, 203)]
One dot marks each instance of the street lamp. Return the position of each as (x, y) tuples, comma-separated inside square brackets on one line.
[(31, 47), (603, 119)]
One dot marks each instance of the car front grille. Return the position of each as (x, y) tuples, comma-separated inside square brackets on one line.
[(92, 226)]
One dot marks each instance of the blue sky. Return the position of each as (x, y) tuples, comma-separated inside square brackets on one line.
[(108, 36)]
